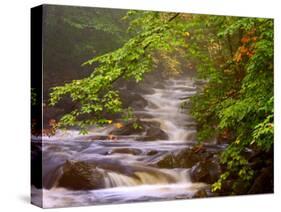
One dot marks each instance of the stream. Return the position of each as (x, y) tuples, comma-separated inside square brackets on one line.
[(123, 170)]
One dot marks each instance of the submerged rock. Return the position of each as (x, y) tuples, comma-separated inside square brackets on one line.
[(152, 152), (130, 151)]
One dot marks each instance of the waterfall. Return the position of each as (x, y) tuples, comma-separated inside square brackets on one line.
[(114, 179), (127, 166), (164, 106)]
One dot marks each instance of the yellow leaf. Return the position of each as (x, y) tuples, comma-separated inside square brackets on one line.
[(109, 121), (187, 34), (118, 125)]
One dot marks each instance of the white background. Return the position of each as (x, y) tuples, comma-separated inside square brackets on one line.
[(15, 111)]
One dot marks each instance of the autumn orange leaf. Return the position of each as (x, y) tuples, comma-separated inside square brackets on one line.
[(243, 49), (245, 39)]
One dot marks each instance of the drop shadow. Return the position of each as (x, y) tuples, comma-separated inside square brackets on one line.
[(24, 198)]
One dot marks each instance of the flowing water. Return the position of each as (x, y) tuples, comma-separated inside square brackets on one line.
[(126, 164)]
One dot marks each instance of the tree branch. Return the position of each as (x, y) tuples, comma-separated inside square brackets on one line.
[(173, 17), (145, 47)]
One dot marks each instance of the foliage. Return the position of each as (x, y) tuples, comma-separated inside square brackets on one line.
[(95, 94), (234, 57), (238, 94)]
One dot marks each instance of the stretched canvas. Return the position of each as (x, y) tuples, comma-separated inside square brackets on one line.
[(131, 106)]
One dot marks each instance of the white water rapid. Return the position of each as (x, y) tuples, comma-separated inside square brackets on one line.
[(127, 165)]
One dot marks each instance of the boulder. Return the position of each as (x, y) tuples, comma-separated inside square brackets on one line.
[(184, 159), (207, 171), (134, 100), (154, 133), (148, 131), (80, 176), (263, 183), (128, 129)]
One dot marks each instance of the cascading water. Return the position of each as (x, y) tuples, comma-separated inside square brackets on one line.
[(127, 166), (164, 106)]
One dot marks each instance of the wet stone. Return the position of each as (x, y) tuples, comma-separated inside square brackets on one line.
[(207, 171), (130, 151), (81, 176)]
